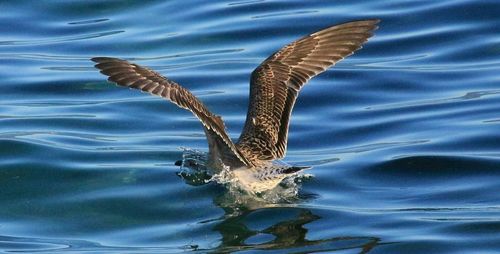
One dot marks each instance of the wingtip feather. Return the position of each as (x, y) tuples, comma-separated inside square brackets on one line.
[(102, 59)]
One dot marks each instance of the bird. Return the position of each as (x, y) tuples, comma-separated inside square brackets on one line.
[(254, 160)]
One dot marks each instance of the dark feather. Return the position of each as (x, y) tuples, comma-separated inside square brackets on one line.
[(134, 76), (275, 84)]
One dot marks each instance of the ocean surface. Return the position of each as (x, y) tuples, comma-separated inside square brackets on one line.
[(403, 137)]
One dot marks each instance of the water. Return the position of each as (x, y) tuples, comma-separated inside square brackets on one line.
[(403, 136)]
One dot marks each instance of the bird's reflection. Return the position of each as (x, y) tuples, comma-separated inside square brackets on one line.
[(289, 235)]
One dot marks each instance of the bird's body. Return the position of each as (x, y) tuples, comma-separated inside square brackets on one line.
[(264, 177), (259, 179), (275, 85)]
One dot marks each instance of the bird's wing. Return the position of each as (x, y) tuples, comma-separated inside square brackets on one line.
[(134, 76), (276, 82)]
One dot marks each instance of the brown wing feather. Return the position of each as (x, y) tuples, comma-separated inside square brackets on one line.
[(276, 83), (132, 75)]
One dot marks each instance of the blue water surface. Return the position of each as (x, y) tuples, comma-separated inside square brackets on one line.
[(403, 136)]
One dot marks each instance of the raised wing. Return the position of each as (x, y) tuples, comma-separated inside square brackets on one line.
[(134, 76), (276, 83)]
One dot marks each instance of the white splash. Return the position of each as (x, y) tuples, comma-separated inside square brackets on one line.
[(195, 172)]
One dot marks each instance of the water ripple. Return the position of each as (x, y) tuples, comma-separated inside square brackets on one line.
[(86, 22), (274, 15), (245, 2), (59, 39), (467, 96), (402, 135)]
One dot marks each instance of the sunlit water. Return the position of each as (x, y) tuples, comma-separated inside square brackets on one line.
[(403, 136)]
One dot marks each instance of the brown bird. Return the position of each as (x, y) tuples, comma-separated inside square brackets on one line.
[(274, 87)]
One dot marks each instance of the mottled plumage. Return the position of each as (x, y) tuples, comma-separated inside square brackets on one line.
[(276, 83), (274, 87)]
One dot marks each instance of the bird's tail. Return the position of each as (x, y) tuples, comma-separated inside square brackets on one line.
[(294, 169)]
